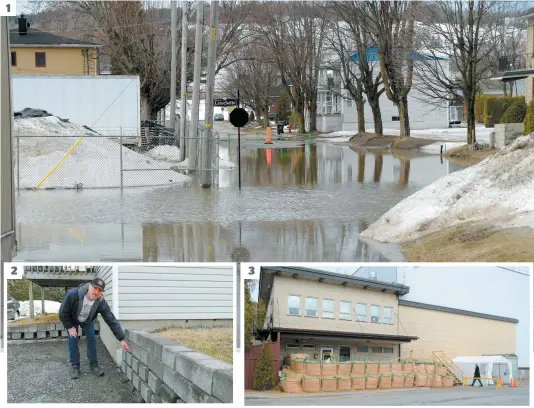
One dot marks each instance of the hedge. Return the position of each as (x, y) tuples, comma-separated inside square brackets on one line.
[(515, 113), (528, 123), (495, 107)]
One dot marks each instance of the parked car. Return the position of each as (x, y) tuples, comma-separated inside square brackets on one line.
[(272, 116), (218, 117), (13, 307)]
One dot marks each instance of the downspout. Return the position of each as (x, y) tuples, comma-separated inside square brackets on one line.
[(87, 61)]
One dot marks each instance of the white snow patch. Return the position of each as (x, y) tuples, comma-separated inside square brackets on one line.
[(341, 136), (448, 134), (499, 190), (50, 307), (167, 153), (95, 162)]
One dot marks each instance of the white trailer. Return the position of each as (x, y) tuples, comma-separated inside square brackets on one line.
[(108, 104)]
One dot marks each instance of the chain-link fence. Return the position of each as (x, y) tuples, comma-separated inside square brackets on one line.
[(94, 161)]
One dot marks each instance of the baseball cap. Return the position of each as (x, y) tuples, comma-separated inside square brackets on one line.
[(98, 283)]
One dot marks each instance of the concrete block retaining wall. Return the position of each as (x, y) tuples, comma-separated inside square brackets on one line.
[(41, 331), (506, 133), (165, 372)]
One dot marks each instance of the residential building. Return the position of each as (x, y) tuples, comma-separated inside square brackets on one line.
[(408, 313), (35, 52), (336, 110)]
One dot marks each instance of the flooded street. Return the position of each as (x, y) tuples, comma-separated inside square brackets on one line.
[(297, 203)]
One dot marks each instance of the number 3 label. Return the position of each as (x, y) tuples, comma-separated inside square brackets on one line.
[(13, 270), (8, 8), (250, 271)]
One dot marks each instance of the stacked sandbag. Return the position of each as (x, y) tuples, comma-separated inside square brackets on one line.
[(298, 363), (329, 384), (344, 383), (396, 368), (430, 369), (409, 380), (442, 370), (358, 368), (358, 382), (408, 368), (420, 368), (384, 367), (329, 369), (372, 368), (385, 381), (436, 381), (371, 382), (397, 380), (313, 368), (421, 379), (311, 384), (291, 386), (447, 381), (344, 368)]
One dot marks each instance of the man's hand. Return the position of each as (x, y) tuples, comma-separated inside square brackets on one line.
[(124, 346), (73, 332)]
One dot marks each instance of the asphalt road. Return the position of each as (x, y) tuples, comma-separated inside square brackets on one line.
[(39, 372), (443, 397)]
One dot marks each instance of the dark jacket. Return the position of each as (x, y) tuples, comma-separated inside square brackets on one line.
[(477, 372), (72, 305)]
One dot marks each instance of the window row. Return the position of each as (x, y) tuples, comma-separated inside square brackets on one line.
[(345, 310), (40, 59), (343, 349)]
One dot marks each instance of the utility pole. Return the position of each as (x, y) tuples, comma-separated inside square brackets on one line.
[(183, 82), (208, 151), (174, 42), (193, 130)]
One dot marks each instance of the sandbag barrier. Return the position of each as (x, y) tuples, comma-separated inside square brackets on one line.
[(362, 375)]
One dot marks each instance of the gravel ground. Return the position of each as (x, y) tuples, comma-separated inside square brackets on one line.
[(39, 372)]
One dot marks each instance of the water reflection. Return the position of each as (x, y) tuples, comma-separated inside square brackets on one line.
[(304, 203)]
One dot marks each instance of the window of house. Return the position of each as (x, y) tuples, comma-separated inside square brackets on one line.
[(344, 310), (362, 349), (293, 303), (349, 102), (292, 346), (395, 119), (388, 350), (40, 59), (328, 308), (13, 59), (375, 314), (308, 347), (388, 315), (361, 312), (376, 350), (311, 307), (344, 353)]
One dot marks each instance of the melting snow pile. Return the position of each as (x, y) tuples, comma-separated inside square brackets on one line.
[(95, 162), (50, 307), (172, 154), (498, 190)]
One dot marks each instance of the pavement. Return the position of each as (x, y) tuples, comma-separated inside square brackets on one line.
[(414, 396), (39, 372)]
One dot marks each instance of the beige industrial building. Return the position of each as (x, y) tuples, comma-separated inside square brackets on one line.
[(328, 315)]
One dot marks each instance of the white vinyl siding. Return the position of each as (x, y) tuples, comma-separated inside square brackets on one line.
[(106, 274), (311, 307), (328, 308), (344, 310), (293, 305), (175, 292)]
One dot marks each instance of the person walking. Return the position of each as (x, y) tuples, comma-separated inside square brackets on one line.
[(80, 307), (477, 376)]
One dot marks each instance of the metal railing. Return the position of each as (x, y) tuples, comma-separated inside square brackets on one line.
[(118, 161)]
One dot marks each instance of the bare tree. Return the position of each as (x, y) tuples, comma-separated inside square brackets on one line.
[(392, 26), (366, 73), (294, 34), (257, 78), (459, 54)]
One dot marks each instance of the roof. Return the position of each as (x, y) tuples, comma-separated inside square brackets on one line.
[(269, 272), (351, 334), (41, 38), (456, 311), (372, 55), (513, 75), (481, 359)]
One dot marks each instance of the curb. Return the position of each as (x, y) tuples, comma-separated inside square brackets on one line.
[(331, 394)]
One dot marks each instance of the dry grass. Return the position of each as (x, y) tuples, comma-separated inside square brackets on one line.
[(462, 156), (216, 342), (473, 243), (46, 318)]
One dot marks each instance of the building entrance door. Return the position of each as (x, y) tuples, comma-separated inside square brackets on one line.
[(327, 354)]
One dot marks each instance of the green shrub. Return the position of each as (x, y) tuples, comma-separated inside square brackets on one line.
[(494, 108), (479, 108), (263, 376), (528, 123), (283, 104), (515, 113)]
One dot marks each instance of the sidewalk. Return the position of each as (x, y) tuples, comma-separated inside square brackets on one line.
[(272, 395)]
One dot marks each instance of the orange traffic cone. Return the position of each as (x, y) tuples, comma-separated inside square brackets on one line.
[(268, 133), (511, 383), (515, 382)]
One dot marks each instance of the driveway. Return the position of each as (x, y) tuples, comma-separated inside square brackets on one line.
[(39, 372), (415, 396)]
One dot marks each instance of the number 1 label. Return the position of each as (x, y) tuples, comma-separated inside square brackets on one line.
[(8, 8)]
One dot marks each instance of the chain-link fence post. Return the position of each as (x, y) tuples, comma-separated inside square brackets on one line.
[(121, 164), (18, 163)]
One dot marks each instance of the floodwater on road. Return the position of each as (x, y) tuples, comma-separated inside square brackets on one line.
[(298, 202)]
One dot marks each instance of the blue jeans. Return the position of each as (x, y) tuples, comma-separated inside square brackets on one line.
[(74, 351)]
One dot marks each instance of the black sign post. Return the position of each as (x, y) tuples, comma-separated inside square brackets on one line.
[(239, 118)]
